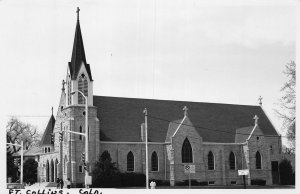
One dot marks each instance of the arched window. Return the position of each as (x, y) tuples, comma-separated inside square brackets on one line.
[(48, 149), (80, 131), (258, 160), (186, 152), (83, 87), (210, 161), (130, 161), (232, 161), (154, 162)]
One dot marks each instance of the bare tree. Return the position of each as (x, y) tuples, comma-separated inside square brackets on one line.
[(287, 103), (17, 131)]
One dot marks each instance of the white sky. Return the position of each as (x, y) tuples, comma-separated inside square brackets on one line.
[(172, 49)]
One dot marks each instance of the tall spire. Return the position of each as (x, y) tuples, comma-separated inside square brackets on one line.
[(78, 54)]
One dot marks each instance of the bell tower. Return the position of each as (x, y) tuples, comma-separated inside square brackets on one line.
[(79, 76), (72, 116)]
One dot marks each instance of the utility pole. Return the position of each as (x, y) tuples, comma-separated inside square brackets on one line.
[(86, 134), (21, 173), (146, 142), (86, 142)]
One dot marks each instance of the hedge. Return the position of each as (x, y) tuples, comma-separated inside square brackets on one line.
[(258, 182), (121, 180)]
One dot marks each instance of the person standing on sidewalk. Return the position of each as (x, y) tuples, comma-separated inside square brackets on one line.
[(152, 184), (58, 183), (61, 183), (68, 182)]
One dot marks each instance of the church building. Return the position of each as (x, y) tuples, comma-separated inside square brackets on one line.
[(215, 140)]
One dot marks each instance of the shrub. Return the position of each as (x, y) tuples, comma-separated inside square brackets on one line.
[(30, 171), (105, 173), (180, 183), (287, 177), (203, 183), (160, 182), (186, 183), (258, 182), (133, 180)]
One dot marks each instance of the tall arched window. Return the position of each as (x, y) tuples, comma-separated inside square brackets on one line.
[(186, 152), (130, 161), (80, 131), (210, 161), (154, 162), (258, 160), (232, 161), (83, 87)]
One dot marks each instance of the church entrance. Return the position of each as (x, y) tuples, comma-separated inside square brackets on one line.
[(275, 172)]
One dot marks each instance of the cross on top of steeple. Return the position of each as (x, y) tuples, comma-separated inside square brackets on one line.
[(77, 11), (260, 100), (52, 110), (185, 109), (256, 119)]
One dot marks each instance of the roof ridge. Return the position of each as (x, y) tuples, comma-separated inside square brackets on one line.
[(175, 100)]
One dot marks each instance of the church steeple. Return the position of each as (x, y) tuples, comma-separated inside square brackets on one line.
[(78, 54)]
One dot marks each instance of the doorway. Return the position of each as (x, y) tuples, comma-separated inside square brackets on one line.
[(275, 172)]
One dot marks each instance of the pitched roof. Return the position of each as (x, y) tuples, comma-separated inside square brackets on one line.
[(172, 128), (30, 152), (78, 55), (121, 118), (242, 134), (46, 139)]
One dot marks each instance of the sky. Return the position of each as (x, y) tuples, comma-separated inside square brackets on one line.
[(203, 51)]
